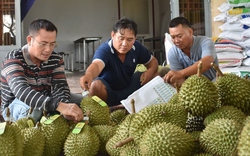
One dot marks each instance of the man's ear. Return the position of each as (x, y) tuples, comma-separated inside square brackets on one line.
[(29, 39), (112, 34), (191, 31)]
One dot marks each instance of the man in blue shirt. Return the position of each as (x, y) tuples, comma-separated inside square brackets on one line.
[(187, 52), (111, 75)]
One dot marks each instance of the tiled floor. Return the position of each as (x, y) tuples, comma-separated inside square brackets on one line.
[(73, 79)]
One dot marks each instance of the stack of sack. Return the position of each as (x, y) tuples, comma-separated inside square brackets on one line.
[(233, 43), (229, 53)]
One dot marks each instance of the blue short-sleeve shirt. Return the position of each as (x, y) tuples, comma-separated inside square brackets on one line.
[(202, 46), (117, 73)]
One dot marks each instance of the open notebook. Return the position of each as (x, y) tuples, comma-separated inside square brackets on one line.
[(155, 91)]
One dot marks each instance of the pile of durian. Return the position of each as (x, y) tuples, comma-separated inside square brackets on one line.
[(203, 118)]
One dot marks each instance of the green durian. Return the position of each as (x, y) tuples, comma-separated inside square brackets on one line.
[(82, 143), (199, 95), (26, 122), (166, 139), (99, 110), (247, 120), (154, 114), (34, 141), (228, 112), (55, 130), (244, 141), (11, 139), (104, 133), (203, 154), (196, 136), (118, 115), (233, 91), (130, 151), (7, 140), (121, 133), (221, 136)]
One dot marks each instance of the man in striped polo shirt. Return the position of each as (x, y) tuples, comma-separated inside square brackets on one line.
[(33, 77)]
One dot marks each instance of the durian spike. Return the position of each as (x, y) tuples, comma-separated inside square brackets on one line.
[(199, 69), (133, 105), (217, 69), (123, 142)]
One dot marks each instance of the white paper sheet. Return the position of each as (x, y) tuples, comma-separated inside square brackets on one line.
[(154, 92)]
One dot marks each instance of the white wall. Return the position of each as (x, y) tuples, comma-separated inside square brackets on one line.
[(75, 19), (85, 18)]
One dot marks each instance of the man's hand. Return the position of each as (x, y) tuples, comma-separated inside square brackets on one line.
[(173, 76), (85, 81), (146, 77), (70, 111)]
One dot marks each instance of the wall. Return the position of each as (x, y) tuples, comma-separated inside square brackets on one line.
[(78, 18), (75, 19), (85, 18), (215, 12)]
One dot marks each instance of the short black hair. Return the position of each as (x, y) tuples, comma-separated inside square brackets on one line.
[(125, 23), (179, 20), (38, 24)]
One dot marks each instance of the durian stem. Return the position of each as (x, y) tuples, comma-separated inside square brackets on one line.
[(87, 115), (30, 110), (86, 86), (133, 105), (199, 69), (217, 69), (8, 116), (246, 76), (123, 142), (37, 125), (45, 114), (8, 112)]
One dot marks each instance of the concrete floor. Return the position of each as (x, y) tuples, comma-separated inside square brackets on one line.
[(73, 79)]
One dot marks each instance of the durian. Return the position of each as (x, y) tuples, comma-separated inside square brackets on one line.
[(121, 133), (118, 115), (154, 114), (244, 141), (99, 110), (130, 151), (82, 141), (220, 137), (104, 133), (226, 112), (11, 139), (233, 90), (55, 130), (34, 141), (199, 95), (166, 139), (26, 122)]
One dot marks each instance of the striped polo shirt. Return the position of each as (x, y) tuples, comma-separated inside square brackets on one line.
[(41, 87)]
